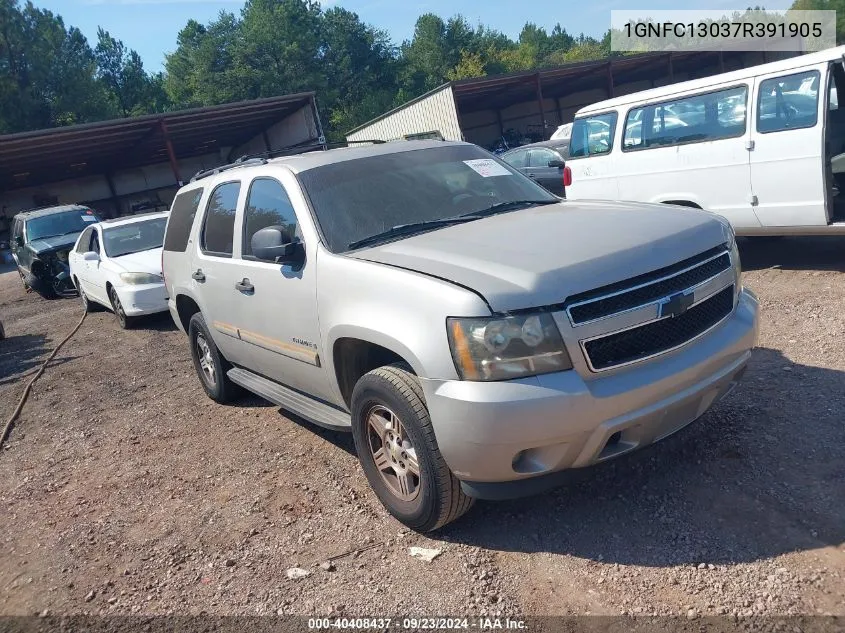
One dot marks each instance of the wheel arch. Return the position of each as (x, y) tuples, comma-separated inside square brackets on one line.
[(355, 353)]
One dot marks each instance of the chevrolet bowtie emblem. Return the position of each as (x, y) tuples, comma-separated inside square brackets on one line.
[(677, 304)]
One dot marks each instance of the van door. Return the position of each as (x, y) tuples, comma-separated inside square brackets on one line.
[(787, 167), (691, 150), (277, 304), (591, 157)]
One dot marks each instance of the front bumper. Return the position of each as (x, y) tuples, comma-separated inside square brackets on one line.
[(498, 437), (143, 299)]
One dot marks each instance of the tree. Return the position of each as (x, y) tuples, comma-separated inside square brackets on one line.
[(471, 65), (122, 73)]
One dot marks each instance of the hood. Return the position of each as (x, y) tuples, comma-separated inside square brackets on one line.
[(142, 262), (541, 256), (54, 243)]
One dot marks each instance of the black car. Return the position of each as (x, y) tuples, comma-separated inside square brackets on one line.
[(544, 162), (41, 240)]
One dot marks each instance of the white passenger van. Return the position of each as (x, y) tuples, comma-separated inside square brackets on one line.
[(763, 146)]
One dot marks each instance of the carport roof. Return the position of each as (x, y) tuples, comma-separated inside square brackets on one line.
[(33, 158), (496, 92)]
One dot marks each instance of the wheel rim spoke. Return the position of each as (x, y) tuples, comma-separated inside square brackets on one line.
[(406, 484), (382, 460), (393, 453)]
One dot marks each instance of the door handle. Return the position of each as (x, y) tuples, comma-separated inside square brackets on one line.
[(199, 276), (245, 287)]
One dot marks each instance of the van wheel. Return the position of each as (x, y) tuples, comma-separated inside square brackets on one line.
[(399, 453), (209, 364)]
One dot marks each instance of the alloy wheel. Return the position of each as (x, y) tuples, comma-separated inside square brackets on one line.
[(393, 453), (205, 360)]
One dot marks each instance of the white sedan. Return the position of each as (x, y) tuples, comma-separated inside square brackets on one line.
[(117, 263)]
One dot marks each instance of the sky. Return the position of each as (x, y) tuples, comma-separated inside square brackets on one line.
[(151, 26)]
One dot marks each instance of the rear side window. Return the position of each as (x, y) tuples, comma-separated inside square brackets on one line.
[(788, 103), (267, 205), (182, 216), (704, 117), (218, 230), (593, 135), (540, 157), (517, 159)]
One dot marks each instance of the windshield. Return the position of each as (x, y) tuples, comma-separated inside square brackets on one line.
[(58, 224), (356, 199), (135, 237)]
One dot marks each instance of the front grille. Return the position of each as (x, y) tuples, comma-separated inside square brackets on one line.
[(660, 284), (659, 336)]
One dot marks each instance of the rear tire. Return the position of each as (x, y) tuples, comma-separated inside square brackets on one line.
[(398, 451), (209, 363)]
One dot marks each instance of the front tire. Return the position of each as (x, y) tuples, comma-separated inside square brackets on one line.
[(398, 451), (125, 322), (87, 306), (209, 364)]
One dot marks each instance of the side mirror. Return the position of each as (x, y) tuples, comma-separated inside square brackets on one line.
[(556, 163), (275, 244), (90, 256)]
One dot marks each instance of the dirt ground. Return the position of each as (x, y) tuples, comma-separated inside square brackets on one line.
[(124, 490)]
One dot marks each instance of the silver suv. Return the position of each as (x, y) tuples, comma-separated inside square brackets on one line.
[(475, 333)]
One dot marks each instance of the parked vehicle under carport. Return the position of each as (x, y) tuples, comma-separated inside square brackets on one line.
[(41, 241)]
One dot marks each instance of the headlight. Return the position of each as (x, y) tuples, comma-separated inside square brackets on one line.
[(137, 279), (501, 348)]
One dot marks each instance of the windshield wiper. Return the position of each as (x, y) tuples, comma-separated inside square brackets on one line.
[(501, 207), (404, 230)]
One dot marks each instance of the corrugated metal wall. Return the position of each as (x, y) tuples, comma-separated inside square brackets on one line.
[(434, 113)]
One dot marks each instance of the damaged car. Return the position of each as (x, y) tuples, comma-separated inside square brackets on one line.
[(41, 241)]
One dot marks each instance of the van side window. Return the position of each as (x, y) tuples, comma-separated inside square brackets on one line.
[(182, 214), (788, 103), (267, 204), (593, 135), (703, 117), (218, 230)]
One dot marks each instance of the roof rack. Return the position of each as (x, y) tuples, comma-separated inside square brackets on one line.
[(261, 158), (241, 162)]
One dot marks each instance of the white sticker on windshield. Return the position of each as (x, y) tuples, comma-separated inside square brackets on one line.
[(89, 218), (486, 167)]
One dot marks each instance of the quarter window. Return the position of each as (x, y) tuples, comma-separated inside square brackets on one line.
[(268, 204), (788, 103), (181, 220), (218, 231), (704, 117), (593, 135)]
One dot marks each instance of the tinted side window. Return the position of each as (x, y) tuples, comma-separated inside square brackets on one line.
[(182, 214), (84, 241), (541, 157), (593, 135), (788, 103), (95, 242), (267, 205), (703, 117), (218, 230), (517, 159)]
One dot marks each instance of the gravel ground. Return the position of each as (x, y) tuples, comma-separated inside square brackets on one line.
[(124, 490)]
